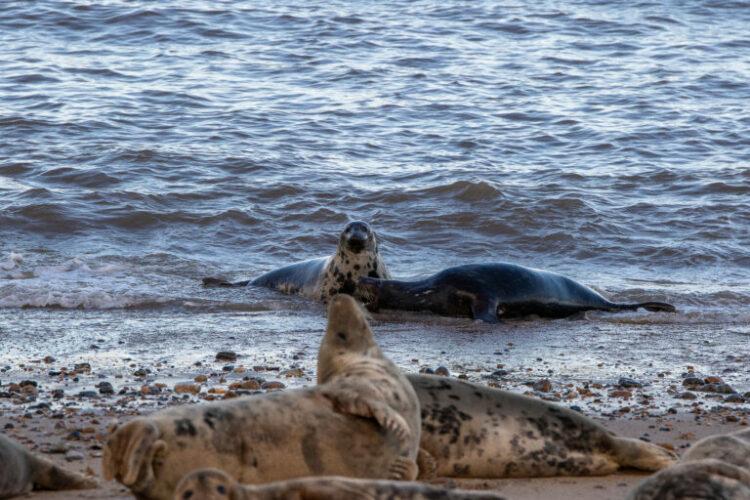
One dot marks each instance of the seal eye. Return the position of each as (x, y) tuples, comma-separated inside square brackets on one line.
[(187, 494), (221, 489), (342, 335)]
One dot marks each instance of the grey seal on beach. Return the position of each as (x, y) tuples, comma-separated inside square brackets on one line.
[(362, 421), (716, 467), (213, 484), (21, 471), (491, 292), (472, 431), (356, 256)]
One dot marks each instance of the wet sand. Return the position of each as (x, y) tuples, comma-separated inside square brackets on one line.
[(62, 408)]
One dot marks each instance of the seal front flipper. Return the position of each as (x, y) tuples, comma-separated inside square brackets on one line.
[(209, 282), (427, 465), (348, 401), (485, 309), (403, 469)]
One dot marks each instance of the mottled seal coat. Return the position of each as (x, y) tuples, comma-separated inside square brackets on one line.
[(472, 431), (21, 472), (491, 292), (716, 467), (356, 256), (212, 484), (362, 421)]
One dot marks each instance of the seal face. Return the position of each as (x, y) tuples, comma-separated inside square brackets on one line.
[(21, 471), (492, 291), (361, 421), (472, 431), (714, 467), (213, 484), (357, 255)]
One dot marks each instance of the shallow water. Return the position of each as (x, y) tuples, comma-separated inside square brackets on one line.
[(143, 146)]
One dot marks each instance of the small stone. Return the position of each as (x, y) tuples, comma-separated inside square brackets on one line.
[(82, 368), (621, 393), (734, 398), (732, 418), (692, 382), (227, 368), (686, 395), (576, 408), (272, 386), (74, 455), (58, 393), (200, 378), (148, 390), (49, 359), (26, 383), (293, 372), (712, 379), (105, 388), (442, 371), (141, 372), (187, 388), (248, 385), (717, 388), (543, 385), (463, 376), (226, 356), (427, 371), (628, 382), (88, 394)]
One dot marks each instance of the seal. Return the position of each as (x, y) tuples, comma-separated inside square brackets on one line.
[(21, 471), (472, 431), (361, 421), (213, 484), (707, 479), (491, 292), (356, 256), (714, 467)]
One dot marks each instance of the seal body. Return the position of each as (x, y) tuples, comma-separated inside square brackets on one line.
[(491, 292), (212, 484), (361, 421), (356, 256), (21, 472), (472, 431), (716, 467)]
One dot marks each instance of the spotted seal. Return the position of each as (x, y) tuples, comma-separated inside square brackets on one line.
[(472, 431), (213, 484), (356, 256), (716, 467), (491, 292), (361, 421), (21, 471)]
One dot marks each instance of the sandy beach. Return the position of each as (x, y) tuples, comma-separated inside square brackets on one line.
[(62, 411)]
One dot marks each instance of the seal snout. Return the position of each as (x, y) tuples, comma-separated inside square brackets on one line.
[(357, 236)]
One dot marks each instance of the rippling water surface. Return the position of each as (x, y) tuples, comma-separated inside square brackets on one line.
[(144, 145)]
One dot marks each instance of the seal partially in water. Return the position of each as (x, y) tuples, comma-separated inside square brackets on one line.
[(716, 467), (361, 421), (213, 484), (491, 292), (356, 256), (21, 472), (472, 431)]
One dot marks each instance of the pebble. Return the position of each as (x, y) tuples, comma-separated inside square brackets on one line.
[(200, 378), (543, 385), (74, 455), (621, 393), (720, 388), (105, 388), (734, 398), (141, 372), (226, 356), (442, 371), (272, 386), (250, 385), (686, 395), (82, 368), (49, 359), (692, 382), (58, 393), (88, 394), (628, 382), (187, 388)]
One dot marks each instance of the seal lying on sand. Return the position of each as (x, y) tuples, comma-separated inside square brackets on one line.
[(716, 467), (213, 484), (472, 431), (356, 256), (490, 292), (362, 421), (20, 472)]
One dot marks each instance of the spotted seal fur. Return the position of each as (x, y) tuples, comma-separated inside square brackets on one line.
[(716, 467), (361, 421), (491, 292), (357, 255), (213, 484), (472, 431), (21, 471)]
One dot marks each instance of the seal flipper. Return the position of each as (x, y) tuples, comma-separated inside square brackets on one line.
[(485, 309), (209, 282), (403, 469), (50, 476), (427, 465), (348, 401)]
